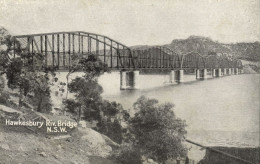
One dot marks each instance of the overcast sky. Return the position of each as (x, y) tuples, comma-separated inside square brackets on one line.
[(137, 22)]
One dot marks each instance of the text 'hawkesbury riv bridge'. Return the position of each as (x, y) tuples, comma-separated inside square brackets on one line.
[(58, 49)]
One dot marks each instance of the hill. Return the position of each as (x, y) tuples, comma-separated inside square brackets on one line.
[(206, 46)]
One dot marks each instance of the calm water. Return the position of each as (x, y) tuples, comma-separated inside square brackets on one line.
[(223, 111)]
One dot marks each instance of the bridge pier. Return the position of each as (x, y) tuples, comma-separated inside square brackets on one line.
[(236, 71), (224, 71), (197, 74), (229, 71), (180, 76), (213, 72), (218, 72), (172, 76), (129, 80), (123, 80), (205, 74), (201, 74), (232, 71)]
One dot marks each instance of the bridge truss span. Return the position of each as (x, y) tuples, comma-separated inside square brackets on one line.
[(157, 57), (58, 48)]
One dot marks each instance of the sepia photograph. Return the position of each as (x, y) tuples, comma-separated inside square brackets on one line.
[(129, 82)]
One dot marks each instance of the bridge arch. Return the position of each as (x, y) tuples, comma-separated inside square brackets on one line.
[(225, 61), (212, 62), (159, 57), (192, 60), (57, 49)]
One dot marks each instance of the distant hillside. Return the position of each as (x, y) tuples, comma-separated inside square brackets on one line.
[(206, 46)]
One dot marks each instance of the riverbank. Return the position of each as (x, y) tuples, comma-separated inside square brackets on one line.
[(21, 144)]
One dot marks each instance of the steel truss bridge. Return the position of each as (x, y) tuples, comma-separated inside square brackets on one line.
[(57, 51)]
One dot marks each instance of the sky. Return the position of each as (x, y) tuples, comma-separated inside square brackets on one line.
[(137, 22)]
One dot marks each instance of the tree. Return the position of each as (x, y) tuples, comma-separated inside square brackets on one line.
[(112, 118), (31, 84), (87, 96), (40, 91), (127, 154), (91, 66), (158, 133), (86, 89), (88, 101)]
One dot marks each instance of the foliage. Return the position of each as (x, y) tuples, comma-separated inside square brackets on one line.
[(89, 103), (72, 106), (88, 95), (29, 82), (127, 154), (206, 46), (33, 86), (86, 89), (40, 90), (4, 98), (91, 66), (14, 73), (158, 133), (112, 117), (2, 83)]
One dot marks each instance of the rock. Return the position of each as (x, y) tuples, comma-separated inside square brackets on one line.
[(21, 148), (43, 154), (150, 160), (83, 124), (97, 145), (69, 139), (5, 146), (1, 137), (55, 156)]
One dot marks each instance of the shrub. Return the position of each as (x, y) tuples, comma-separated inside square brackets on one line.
[(158, 133), (127, 154), (4, 98)]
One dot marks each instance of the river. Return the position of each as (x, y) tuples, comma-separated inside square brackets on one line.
[(223, 111)]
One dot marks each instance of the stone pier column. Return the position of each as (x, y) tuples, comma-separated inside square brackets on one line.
[(204, 74), (133, 77), (229, 71), (218, 72), (197, 74), (180, 76), (236, 71), (232, 71), (123, 80), (172, 76), (213, 72), (224, 71)]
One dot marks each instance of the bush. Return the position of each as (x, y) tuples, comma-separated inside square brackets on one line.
[(158, 133), (127, 154), (2, 82), (71, 106), (4, 98)]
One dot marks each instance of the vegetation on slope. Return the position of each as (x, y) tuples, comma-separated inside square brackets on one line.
[(205, 46)]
